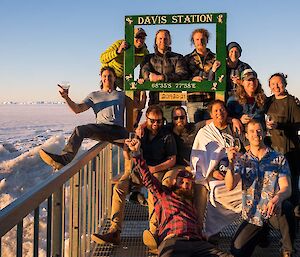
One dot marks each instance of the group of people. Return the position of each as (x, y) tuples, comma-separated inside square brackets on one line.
[(210, 163)]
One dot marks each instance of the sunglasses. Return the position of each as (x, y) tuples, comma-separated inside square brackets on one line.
[(159, 121), (182, 117)]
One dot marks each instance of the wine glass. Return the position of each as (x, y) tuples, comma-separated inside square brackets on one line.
[(237, 144), (64, 86), (234, 73), (268, 118)]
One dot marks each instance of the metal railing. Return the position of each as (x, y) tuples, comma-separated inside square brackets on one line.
[(74, 202)]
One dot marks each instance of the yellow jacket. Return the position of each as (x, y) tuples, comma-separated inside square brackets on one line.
[(111, 58)]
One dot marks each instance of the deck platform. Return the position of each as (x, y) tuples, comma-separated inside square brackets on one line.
[(136, 221)]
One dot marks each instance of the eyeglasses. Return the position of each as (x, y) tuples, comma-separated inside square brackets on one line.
[(182, 117), (159, 121)]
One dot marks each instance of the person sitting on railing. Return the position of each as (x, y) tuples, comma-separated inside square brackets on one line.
[(178, 230), (159, 149), (108, 105)]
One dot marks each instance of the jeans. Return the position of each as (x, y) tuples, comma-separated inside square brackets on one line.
[(249, 235), (100, 132), (180, 247)]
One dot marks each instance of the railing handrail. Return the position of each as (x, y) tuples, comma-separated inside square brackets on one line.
[(12, 214)]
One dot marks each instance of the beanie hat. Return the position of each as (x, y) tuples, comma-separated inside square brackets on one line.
[(234, 44)]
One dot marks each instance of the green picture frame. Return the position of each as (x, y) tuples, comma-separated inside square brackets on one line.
[(219, 19)]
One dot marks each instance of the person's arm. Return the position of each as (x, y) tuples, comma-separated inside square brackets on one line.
[(285, 191), (164, 165), (212, 71), (231, 178), (76, 108), (113, 51), (285, 188)]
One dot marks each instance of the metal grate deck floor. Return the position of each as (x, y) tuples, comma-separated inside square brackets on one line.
[(136, 221)]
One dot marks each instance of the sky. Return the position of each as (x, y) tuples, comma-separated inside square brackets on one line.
[(45, 42)]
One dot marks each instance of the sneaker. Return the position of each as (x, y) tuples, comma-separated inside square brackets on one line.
[(150, 241), (110, 237), (54, 160)]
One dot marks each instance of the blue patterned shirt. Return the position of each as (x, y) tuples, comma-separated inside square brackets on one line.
[(260, 182)]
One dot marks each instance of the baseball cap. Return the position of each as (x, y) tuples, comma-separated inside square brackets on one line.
[(248, 74), (185, 174), (139, 32)]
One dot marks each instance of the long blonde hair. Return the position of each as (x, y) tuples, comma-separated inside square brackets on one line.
[(259, 95)]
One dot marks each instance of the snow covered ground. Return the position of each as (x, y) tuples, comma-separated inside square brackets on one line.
[(24, 129)]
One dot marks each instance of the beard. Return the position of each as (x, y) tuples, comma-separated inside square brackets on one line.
[(183, 193)]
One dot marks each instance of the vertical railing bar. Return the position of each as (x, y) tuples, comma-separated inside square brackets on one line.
[(97, 194), (108, 178), (93, 200), (102, 170), (19, 239), (89, 202), (83, 210), (57, 223), (75, 231), (106, 171), (36, 224), (71, 184), (79, 225), (49, 225), (0, 246), (63, 219)]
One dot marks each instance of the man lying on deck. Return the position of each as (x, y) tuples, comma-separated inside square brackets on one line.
[(108, 105), (178, 230)]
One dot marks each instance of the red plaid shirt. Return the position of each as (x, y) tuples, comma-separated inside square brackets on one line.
[(176, 216)]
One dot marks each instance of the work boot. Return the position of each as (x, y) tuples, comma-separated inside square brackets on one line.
[(150, 241), (110, 237), (287, 254), (54, 160)]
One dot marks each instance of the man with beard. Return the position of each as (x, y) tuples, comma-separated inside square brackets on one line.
[(163, 66), (184, 134), (202, 65), (159, 150), (178, 231), (266, 184)]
